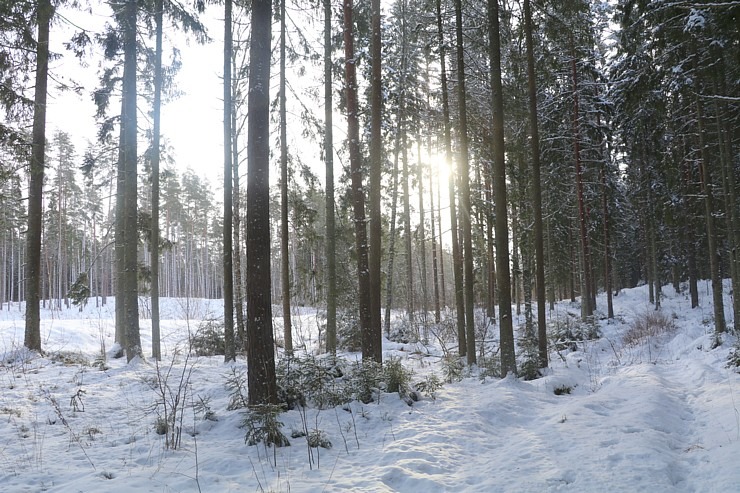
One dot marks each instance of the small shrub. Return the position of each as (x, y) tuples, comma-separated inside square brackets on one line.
[(568, 331), (402, 331), (317, 438), (349, 337), (172, 391), (563, 390), (236, 384), (397, 377), (310, 379), (647, 326), (69, 358), (529, 367), (364, 380), (452, 368), (490, 366), (10, 411), (208, 339), (24, 431), (79, 292), (446, 330), (160, 426), (733, 359), (290, 397), (75, 402), (91, 431), (262, 425), (429, 386), (203, 407)]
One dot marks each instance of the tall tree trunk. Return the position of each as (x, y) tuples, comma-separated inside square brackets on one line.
[(508, 358), (607, 246), (358, 195), (284, 260), (394, 210), (729, 184), (32, 336), (60, 231), (586, 297), (331, 242), (714, 259), (374, 335), (653, 258), (228, 251), (432, 214), (536, 190), (491, 259), (464, 170), (457, 263), (443, 286), (260, 348), (525, 251), (422, 239), (551, 286), (516, 267), (240, 336), (120, 332), (154, 244), (407, 228), (129, 145)]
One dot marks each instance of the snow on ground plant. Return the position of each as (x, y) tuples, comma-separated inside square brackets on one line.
[(655, 412)]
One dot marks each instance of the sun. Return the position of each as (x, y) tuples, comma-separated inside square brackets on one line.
[(440, 166)]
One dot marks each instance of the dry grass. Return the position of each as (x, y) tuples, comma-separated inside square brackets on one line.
[(647, 326)]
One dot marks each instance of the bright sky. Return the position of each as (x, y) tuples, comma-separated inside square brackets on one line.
[(191, 124)]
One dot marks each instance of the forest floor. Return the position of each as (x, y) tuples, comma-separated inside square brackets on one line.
[(643, 407)]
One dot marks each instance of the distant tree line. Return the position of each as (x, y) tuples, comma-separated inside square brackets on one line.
[(581, 160)]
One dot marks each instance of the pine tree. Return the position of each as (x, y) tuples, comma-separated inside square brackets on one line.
[(32, 338), (331, 270), (358, 195), (260, 347), (508, 358), (229, 341), (155, 159), (372, 343)]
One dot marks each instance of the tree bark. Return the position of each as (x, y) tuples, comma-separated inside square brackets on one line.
[(508, 358), (240, 336), (432, 214), (331, 242), (32, 336), (464, 170), (407, 228), (729, 184), (586, 297), (536, 190), (422, 239), (457, 263), (129, 145), (714, 259), (284, 260), (154, 244), (394, 210), (260, 348), (228, 272), (374, 336), (358, 194)]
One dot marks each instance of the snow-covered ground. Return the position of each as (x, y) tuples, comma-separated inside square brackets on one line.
[(657, 413)]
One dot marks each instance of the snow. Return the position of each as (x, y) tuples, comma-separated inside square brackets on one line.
[(695, 21), (659, 414)]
